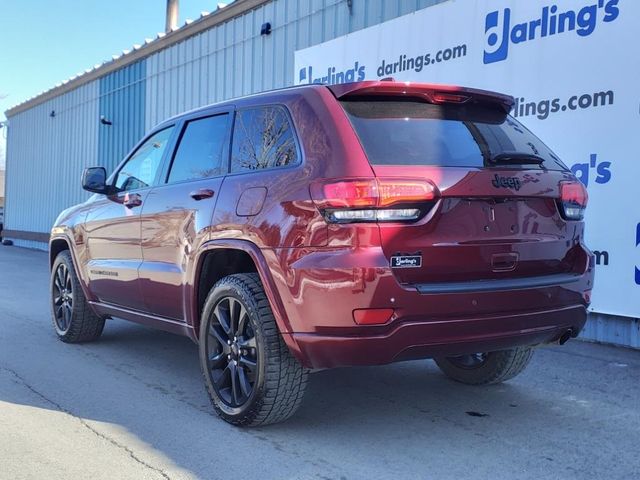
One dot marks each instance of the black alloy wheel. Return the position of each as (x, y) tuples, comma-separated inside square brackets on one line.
[(73, 318), (232, 352), (250, 374), (62, 297)]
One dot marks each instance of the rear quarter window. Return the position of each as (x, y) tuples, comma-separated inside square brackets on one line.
[(263, 137)]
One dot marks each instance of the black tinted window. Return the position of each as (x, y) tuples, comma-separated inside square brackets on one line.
[(200, 152), (262, 138), (411, 132), (141, 169)]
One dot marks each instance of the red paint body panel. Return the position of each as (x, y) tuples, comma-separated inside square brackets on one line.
[(422, 339), (113, 252), (174, 226), (316, 273)]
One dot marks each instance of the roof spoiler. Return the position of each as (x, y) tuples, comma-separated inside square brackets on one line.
[(432, 93)]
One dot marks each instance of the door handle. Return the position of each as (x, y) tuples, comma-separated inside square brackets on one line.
[(132, 200), (201, 194)]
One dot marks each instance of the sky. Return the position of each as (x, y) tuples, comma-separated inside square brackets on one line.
[(43, 42)]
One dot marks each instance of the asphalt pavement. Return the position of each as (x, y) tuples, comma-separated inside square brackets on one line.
[(132, 406)]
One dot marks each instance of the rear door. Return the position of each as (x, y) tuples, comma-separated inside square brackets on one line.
[(496, 216), (177, 214)]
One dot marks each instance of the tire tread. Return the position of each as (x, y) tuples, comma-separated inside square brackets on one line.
[(85, 325), (500, 367), (285, 379)]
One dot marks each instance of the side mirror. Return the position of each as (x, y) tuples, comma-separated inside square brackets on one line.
[(94, 179)]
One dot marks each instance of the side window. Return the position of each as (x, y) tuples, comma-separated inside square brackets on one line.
[(141, 169), (262, 138), (201, 148)]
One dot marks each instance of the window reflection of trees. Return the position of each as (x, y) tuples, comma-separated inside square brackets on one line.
[(263, 139)]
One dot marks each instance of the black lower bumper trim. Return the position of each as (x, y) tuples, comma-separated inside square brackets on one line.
[(498, 284)]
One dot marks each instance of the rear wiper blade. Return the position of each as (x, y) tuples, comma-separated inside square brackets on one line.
[(515, 158)]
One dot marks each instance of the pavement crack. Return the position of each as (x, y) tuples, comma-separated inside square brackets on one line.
[(86, 425)]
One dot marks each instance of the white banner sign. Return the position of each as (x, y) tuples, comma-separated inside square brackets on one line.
[(574, 68)]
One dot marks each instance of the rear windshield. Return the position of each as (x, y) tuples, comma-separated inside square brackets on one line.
[(411, 132)]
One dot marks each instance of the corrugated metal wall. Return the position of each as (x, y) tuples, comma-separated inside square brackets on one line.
[(45, 157), (610, 329), (233, 59), (122, 102)]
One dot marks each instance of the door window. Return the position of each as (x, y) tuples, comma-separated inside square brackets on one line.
[(141, 169), (201, 149)]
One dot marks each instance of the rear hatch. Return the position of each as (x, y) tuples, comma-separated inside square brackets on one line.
[(497, 212)]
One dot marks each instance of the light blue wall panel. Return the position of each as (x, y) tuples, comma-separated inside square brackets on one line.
[(613, 330), (46, 155), (29, 244), (122, 102)]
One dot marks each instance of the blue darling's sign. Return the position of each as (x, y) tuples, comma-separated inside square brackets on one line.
[(501, 34), (333, 76), (596, 170)]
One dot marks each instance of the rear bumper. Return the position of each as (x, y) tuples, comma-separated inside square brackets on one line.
[(321, 288), (414, 340)]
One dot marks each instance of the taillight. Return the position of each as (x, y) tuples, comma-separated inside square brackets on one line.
[(573, 200), (373, 199), (392, 191), (443, 97)]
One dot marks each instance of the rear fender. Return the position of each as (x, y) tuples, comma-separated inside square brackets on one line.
[(264, 271)]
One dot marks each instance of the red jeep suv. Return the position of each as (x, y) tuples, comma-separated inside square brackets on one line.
[(325, 226)]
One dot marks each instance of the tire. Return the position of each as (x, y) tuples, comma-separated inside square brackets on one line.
[(255, 380), (487, 369), (78, 322)]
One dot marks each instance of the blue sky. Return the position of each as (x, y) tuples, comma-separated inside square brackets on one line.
[(43, 42)]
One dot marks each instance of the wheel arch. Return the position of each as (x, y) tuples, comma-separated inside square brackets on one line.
[(245, 257), (59, 244)]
